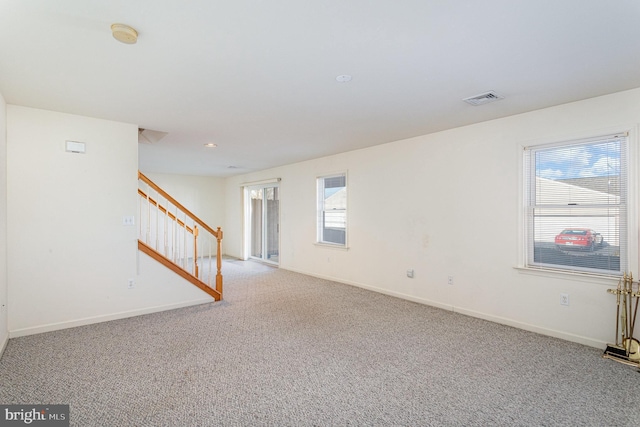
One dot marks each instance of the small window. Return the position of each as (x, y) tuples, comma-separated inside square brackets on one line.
[(576, 205), (332, 209)]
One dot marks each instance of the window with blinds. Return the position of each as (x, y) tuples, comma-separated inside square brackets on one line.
[(332, 209), (576, 205)]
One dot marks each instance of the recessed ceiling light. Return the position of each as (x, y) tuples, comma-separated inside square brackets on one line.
[(211, 145), (344, 78), (124, 33)]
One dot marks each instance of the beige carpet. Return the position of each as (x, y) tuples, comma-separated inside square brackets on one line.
[(284, 349)]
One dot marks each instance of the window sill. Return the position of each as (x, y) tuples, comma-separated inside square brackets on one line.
[(602, 279), (332, 246)]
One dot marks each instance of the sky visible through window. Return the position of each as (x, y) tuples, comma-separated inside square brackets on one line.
[(328, 192), (579, 161)]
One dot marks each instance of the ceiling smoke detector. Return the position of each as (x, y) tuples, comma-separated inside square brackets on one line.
[(124, 33), (483, 98)]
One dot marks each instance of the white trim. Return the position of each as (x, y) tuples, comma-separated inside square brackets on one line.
[(246, 222), (576, 141), (633, 174), (3, 347), (104, 318), (532, 328), (573, 275), (472, 313), (262, 182), (332, 246)]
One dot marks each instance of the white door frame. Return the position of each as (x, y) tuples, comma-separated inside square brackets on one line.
[(246, 241)]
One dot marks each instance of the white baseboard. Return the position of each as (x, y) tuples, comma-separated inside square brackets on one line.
[(103, 318), (533, 328), (496, 319), (3, 346)]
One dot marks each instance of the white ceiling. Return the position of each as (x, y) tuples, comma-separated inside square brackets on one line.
[(258, 77)]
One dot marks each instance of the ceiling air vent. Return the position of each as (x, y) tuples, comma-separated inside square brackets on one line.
[(483, 98)]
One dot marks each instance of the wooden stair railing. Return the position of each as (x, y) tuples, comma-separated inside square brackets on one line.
[(171, 234)]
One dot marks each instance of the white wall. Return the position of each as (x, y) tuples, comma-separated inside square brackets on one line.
[(70, 257), (4, 328), (202, 195), (448, 204)]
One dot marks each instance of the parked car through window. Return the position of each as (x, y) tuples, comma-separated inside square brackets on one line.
[(582, 238)]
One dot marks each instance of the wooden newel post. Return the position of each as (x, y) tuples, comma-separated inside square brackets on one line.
[(219, 263)]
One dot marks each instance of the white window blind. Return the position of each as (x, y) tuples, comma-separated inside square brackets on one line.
[(576, 205), (332, 209)]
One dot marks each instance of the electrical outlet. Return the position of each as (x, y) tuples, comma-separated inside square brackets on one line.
[(564, 299), (130, 284), (450, 280), (410, 273), (128, 220)]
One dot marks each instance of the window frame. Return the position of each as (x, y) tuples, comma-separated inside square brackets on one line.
[(320, 210), (525, 244)]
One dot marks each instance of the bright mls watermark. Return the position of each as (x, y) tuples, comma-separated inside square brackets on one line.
[(34, 415)]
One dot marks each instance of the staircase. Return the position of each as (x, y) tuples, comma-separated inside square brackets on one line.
[(172, 235)]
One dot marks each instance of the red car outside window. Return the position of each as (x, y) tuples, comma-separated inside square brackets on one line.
[(578, 237)]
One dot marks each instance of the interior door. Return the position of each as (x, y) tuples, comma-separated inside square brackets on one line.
[(264, 223)]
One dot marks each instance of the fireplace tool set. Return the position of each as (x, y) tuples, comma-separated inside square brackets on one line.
[(626, 348)]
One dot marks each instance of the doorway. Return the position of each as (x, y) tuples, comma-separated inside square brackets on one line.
[(263, 225)]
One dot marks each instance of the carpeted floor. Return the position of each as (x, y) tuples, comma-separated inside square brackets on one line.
[(284, 349)]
